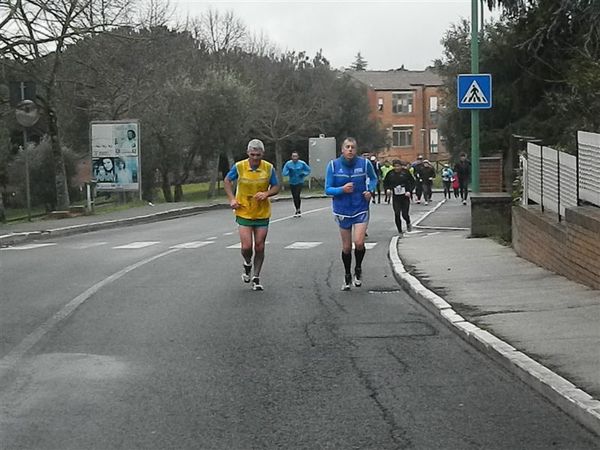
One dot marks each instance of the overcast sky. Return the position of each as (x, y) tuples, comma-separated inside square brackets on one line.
[(388, 34)]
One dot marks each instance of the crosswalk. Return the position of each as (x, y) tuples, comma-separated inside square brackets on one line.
[(137, 245)]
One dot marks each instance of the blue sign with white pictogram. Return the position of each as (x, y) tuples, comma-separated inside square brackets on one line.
[(474, 91)]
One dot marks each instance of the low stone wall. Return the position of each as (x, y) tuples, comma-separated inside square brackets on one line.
[(570, 248)]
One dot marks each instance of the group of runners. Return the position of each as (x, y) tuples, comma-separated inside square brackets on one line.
[(350, 180)]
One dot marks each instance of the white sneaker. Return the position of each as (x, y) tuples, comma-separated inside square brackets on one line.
[(246, 273), (358, 277), (464, 202), (256, 286), (347, 282)]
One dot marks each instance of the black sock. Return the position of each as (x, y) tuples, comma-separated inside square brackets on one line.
[(359, 255), (347, 260)]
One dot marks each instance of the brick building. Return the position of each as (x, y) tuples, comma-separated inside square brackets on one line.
[(407, 103)]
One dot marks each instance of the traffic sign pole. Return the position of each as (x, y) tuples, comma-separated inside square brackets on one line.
[(474, 112)]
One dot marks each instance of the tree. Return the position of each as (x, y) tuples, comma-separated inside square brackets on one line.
[(36, 32), (222, 107), (359, 63)]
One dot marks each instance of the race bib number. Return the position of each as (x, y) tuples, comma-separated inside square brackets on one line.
[(399, 190)]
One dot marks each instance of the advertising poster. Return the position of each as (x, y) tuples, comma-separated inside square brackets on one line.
[(115, 155)]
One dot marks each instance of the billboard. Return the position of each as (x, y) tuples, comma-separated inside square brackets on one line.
[(321, 150), (116, 155)]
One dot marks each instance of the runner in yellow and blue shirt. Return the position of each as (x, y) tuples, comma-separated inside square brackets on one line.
[(256, 182)]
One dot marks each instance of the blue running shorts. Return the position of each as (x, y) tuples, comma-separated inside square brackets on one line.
[(347, 222)]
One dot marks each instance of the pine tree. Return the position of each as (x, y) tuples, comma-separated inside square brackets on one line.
[(359, 63)]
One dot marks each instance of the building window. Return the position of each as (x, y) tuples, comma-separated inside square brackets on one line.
[(379, 104), (433, 104), (402, 102), (402, 137), (433, 141)]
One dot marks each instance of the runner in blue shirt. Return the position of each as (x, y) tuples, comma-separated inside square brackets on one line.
[(350, 179), (297, 170)]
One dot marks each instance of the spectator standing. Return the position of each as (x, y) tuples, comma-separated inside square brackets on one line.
[(350, 180), (400, 184), (296, 170), (463, 170)]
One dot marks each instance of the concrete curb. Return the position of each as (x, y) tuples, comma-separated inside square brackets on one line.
[(561, 392)]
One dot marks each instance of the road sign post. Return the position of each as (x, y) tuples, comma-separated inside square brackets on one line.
[(474, 92)]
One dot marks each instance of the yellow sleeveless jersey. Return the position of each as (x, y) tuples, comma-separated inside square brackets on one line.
[(250, 182)]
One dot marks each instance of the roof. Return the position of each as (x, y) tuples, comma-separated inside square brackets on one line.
[(389, 80)]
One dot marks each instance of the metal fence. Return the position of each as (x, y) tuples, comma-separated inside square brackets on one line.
[(557, 180)]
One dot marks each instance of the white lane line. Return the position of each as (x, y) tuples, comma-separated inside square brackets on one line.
[(135, 245), (196, 244), (88, 245), (303, 213), (29, 246), (303, 245), (9, 361)]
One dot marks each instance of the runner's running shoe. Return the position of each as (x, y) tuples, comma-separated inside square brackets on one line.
[(256, 286), (358, 277), (347, 282), (246, 273)]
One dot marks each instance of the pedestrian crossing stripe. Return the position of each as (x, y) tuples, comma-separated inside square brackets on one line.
[(135, 245), (239, 245), (474, 95), (300, 245), (303, 245), (196, 244)]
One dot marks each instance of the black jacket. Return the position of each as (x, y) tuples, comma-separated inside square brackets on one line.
[(402, 178), (463, 169)]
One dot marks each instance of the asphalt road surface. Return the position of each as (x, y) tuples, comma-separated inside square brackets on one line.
[(145, 337)]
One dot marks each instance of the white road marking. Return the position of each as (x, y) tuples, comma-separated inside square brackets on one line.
[(136, 245), (228, 233), (8, 362), (89, 245), (196, 244), (239, 245), (303, 245), (29, 246)]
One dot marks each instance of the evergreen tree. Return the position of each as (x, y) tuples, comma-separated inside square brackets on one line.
[(359, 63)]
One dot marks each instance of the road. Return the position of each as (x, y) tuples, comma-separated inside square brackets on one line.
[(145, 337)]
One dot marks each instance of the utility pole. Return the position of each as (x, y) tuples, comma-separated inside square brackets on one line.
[(474, 112)]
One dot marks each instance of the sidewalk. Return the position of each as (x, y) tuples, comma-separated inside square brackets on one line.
[(541, 326)]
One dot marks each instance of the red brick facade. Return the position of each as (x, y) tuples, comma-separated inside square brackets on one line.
[(570, 248), (419, 118), (490, 174)]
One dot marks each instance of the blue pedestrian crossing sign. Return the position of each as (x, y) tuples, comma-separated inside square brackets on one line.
[(474, 91)]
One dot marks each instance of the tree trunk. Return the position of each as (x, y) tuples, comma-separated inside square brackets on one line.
[(214, 174), (2, 212), (60, 176), (178, 192), (166, 188), (278, 160)]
